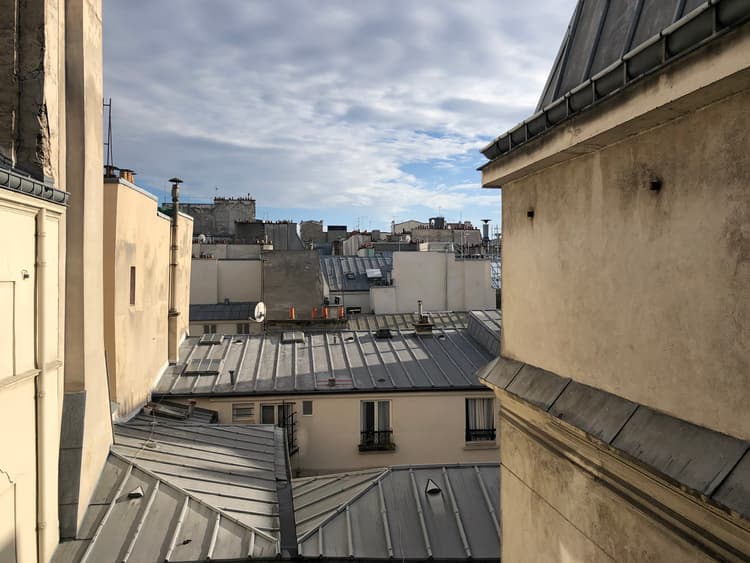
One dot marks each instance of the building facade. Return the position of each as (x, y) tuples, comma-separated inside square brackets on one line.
[(626, 286)]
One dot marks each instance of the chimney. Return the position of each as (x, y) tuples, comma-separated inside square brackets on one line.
[(127, 175)]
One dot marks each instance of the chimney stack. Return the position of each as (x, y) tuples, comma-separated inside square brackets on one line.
[(127, 174)]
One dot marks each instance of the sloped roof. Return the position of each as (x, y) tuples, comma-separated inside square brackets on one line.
[(405, 321), (349, 273), (711, 464), (184, 491), (611, 44), (333, 362), (393, 516), (486, 328)]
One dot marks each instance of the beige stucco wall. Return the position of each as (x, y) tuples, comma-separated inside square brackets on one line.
[(441, 281), (212, 281), (427, 428), (644, 294), (136, 235), (20, 365)]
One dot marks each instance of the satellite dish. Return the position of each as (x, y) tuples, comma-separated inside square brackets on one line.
[(259, 314)]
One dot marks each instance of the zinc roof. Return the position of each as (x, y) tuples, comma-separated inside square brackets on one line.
[(486, 328), (406, 512), (349, 273), (405, 321), (345, 361)]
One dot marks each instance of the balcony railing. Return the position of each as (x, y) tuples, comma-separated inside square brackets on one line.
[(478, 435), (376, 440)]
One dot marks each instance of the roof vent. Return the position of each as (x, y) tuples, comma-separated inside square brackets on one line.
[(383, 333), (432, 488), (350, 276), (332, 382), (136, 493)]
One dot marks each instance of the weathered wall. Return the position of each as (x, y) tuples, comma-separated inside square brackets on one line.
[(184, 276), (22, 323), (291, 278), (225, 327), (427, 428), (350, 246), (457, 236), (407, 226), (645, 294), (312, 231), (439, 280), (136, 235), (218, 218), (221, 251), (351, 299), (212, 281)]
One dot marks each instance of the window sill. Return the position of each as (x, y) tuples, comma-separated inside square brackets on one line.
[(481, 445)]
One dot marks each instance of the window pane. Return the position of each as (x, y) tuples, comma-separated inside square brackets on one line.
[(307, 408), (384, 418), (266, 414), (368, 416)]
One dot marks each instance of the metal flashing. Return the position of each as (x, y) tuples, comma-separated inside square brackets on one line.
[(16, 181)]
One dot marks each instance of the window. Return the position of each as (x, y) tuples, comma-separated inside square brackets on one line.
[(243, 328), (209, 329), (284, 416), (242, 412), (307, 408), (375, 426), (132, 285), (480, 420)]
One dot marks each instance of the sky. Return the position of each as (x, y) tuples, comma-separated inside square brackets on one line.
[(354, 112)]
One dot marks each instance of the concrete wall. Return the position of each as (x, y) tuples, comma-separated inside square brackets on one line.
[(212, 281), (221, 251), (471, 237), (427, 428), (291, 278), (135, 235), (645, 294), (25, 368), (407, 226), (350, 246), (441, 281), (225, 327), (312, 231), (218, 218), (352, 299)]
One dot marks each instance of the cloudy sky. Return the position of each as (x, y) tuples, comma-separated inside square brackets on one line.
[(354, 112)]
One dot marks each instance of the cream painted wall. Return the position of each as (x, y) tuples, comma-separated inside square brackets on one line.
[(212, 281), (439, 280), (644, 294), (136, 335), (427, 428), (19, 370)]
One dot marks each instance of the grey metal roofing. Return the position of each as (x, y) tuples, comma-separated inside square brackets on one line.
[(392, 516), (710, 464), (405, 321), (175, 411), (336, 268), (19, 182), (233, 311), (345, 361), (609, 45), (486, 328)]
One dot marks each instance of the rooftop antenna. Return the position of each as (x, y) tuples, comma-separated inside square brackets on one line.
[(109, 164)]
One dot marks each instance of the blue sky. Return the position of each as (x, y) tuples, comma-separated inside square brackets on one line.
[(346, 111)]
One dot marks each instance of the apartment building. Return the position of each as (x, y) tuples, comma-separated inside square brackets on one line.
[(623, 381)]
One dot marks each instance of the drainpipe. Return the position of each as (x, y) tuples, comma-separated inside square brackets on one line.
[(173, 312), (43, 438)]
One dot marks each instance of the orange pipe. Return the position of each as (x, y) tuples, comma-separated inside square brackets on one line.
[(291, 312), (325, 312)]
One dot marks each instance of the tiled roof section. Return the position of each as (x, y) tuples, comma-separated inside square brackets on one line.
[(709, 463), (234, 468), (349, 273), (609, 45), (17, 182), (136, 515), (486, 328), (405, 321), (332, 362), (233, 311), (411, 512)]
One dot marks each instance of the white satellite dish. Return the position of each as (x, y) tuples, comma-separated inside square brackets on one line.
[(259, 314)]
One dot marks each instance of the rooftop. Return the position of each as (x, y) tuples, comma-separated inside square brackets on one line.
[(404, 512), (182, 491), (233, 311), (350, 273), (610, 45), (332, 362), (405, 321)]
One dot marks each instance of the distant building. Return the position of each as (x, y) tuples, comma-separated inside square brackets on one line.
[(311, 231), (219, 217), (623, 383), (347, 280), (407, 226), (281, 235)]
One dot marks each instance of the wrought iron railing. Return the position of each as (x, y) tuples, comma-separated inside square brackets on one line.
[(373, 440), (477, 435)]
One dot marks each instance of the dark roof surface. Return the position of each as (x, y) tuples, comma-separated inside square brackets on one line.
[(349, 273), (609, 44), (18, 182), (405, 321), (389, 514), (233, 311), (709, 463), (331, 362)]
